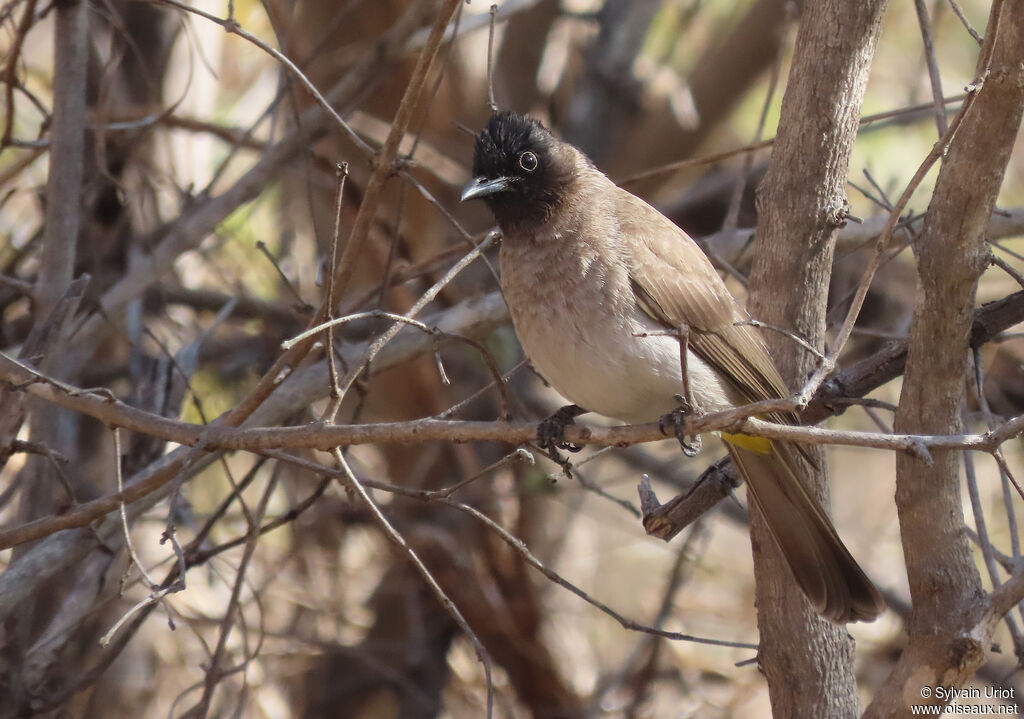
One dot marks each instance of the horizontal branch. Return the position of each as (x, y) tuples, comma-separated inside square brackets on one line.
[(862, 377), (325, 437), (1002, 224), (104, 407), (475, 318)]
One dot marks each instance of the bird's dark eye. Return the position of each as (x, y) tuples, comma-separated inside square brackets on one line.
[(528, 161)]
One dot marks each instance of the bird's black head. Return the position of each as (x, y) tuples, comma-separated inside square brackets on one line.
[(520, 170)]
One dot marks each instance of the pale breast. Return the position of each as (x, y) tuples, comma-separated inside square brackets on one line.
[(576, 318)]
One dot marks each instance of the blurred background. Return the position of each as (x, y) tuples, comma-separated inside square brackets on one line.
[(204, 152)]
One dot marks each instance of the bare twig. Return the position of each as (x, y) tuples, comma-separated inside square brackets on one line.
[(386, 158), (740, 419), (213, 671), (626, 623), (1007, 268), (265, 251), (124, 515), (882, 243), (787, 333), (518, 455), (719, 156), (966, 23), (732, 215), (399, 321), (231, 25), (354, 485), (514, 542), (490, 62), (933, 65), (989, 321), (67, 151), (356, 369), (10, 76), (196, 556), (328, 437), (335, 403), (204, 216)]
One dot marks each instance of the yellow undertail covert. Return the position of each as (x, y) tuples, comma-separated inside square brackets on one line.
[(760, 445)]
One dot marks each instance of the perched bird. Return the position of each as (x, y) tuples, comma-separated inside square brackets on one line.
[(597, 283)]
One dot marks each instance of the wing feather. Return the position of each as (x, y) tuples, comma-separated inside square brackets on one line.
[(676, 283)]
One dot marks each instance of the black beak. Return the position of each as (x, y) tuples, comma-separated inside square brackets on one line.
[(482, 187)]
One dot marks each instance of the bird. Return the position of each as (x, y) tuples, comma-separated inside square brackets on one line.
[(604, 292)]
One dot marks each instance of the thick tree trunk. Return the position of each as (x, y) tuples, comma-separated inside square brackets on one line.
[(945, 647), (807, 660)]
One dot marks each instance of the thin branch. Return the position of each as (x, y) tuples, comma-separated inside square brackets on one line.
[(213, 672), (357, 368), (231, 26), (265, 251), (124, 515), (10, 76), (933, 65), (196, 557), (516, 544), (389, 152), (858, 379), (1006, 267), (937, 151), (67, 153), (335, 403), (981, 527), (203, 217), (719, 156), (490, 62), (329, 437), (1005, 477), (626, 623), (353, 484), (786, 333), (731, 221), (966, 23)]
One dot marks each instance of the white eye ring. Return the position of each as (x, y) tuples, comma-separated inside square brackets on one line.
[(528, 161)]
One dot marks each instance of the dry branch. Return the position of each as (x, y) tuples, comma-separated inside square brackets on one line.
[(949, 632), (327, 437)]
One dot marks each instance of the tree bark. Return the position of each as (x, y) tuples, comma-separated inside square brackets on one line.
[(42, 494), (807, 661), (64, 183), (944, 645)]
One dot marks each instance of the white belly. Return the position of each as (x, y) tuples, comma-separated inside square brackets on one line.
[(580, 329), (612, 372)]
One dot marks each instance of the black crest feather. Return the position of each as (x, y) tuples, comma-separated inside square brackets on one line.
[(532, 195), (506, 136)]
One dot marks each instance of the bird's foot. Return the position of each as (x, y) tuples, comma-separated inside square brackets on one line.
[(674, 423), (551, 431)]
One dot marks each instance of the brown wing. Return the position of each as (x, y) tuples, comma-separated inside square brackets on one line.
[(677, 285)]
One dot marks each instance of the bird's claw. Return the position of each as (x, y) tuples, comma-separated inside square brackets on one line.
[(674, 423), (551, 431)]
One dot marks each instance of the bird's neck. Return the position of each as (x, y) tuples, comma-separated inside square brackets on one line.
[(565, 212), (523, 218)]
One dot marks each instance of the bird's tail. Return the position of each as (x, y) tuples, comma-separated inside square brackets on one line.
[(828, 575)]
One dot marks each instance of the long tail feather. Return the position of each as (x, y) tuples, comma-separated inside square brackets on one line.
[(830, 577)]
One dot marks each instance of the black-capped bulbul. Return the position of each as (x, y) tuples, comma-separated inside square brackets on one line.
[(596, 281)]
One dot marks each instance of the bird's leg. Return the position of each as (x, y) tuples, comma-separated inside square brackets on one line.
[(551, 431), (683, 334), (674, 423), (676, 419)]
